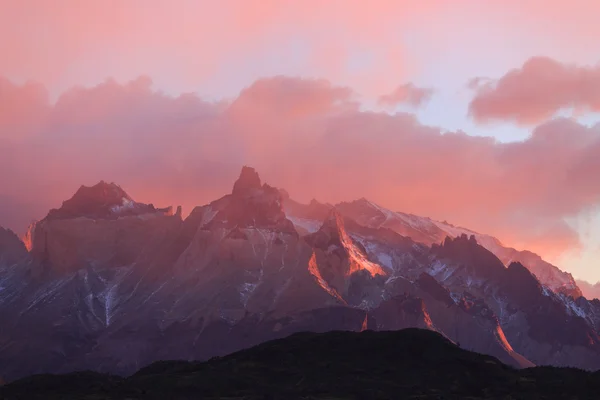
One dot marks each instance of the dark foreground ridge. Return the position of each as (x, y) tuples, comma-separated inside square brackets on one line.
[(406, 364)]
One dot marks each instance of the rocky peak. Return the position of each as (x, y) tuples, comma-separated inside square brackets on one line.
[(362, 209), (102, 201), (523, 285), (251, 205), (314, 210), (334, 223), (93, 201), (331, 233), (319, 210), (339, 256), (466, 251), (248, 180), (101, 192)]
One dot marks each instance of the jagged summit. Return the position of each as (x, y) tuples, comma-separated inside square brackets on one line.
[(102, 201), (331, 233), (251, 205), (334, 223), (339, 257), (248, 180), (101, 193), (465, 250)]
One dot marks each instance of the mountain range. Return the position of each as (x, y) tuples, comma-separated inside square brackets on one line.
[(108, 284)]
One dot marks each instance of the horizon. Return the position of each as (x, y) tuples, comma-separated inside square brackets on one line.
[(433, 109)]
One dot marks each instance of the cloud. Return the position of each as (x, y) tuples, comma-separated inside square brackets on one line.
[(192, 43), (218, 46), (590, 291), (537, 91), (406, 94), (307, 136)]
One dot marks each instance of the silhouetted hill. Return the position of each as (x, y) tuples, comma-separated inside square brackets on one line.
[(406, 364)]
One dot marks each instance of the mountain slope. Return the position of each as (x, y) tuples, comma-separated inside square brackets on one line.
[(114, 292), (428, 231), (410, 363), (533, 318)]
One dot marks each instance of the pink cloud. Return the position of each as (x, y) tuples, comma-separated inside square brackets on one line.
[(537, 91), (307, 136), (22, 108), (194, 45), (192, 42), (407, 94)]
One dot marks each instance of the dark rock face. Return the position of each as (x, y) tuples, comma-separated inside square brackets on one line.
[(548, 320), (466, 251), (428, 283), (542, 325), (402, 311)]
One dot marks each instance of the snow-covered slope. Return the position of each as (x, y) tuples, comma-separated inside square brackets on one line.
[(428, 231)]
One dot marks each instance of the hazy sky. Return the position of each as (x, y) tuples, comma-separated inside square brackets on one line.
[(483, 113)]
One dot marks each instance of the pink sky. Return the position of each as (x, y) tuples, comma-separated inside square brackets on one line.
[(494, 74)]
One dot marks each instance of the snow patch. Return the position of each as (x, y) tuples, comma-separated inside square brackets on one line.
[(207, 216), (455, 297), (246, 289), (571, 307), (126, 204), (437, 267), (366, 304), (385, 259), (310, 225), (420, 224)]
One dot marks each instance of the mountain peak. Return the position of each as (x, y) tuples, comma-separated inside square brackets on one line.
[(334, 222), (331, 232), (333, 239), (252, 204), (103, 192), (93, 200), (248, 180), (465, 250), (100, 201)]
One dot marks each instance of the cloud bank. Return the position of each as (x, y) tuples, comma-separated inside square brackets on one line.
[(406, 94), (536, 92), (307, 136), (218, 46)]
